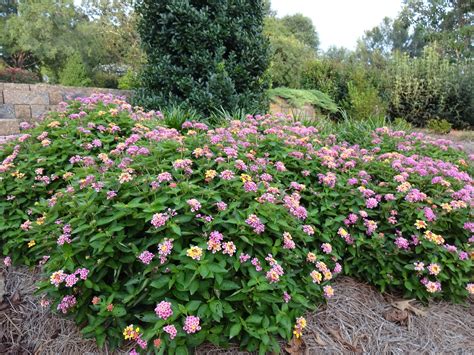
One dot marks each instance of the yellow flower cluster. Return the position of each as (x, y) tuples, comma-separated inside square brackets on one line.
[(435, 238), (54, 124), (299, 326), (245, 178), (210, 175), (131, 334), (194, 252), (18, 175), (420, 224)]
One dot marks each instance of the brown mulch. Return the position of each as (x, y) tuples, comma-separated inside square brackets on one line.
[(358, 319)]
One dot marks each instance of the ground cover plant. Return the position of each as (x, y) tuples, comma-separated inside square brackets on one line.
[(168, 237), (299, 98)]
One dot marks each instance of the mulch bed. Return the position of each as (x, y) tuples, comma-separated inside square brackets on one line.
[(358, 319)]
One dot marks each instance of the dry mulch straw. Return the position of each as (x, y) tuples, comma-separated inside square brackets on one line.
[(358, 319)]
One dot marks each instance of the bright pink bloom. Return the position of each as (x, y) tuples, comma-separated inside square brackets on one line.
[(159, 219), (288, 242), (191, 324), (71, 280), (327, 248), (227, 175), (309, 230), (7, 261), (66, 303), (402, 243), (371, 203), (171, 330), (146, 257), (163, 310), (221, 206), (254, 222), (164, 249), (228, 248), (244, 257)]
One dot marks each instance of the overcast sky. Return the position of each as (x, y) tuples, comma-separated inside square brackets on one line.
[(340, 22)]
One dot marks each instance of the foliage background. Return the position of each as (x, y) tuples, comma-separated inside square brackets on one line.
[(416, 66)]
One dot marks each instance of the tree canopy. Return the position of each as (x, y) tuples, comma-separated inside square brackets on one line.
[(423, 22), (42, 35)]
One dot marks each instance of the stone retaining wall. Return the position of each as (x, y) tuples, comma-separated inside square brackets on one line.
[(279, 105), (28, 102)]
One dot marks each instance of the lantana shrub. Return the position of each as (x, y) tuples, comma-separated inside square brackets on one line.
[(168, 238)]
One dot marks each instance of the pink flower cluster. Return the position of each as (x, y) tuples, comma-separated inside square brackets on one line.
[(288, 242), (171, 330), (292, 203), (194, 204), (214, 242), (67, 303), (328, 179), (66, 236), (159, 219), (255, 222), (146, 257), (58, 277), (191, 324), (163, 310), (164, 249), (276, 271)]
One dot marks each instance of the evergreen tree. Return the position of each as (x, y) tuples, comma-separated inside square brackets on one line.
[(74, 72), (208, 54)]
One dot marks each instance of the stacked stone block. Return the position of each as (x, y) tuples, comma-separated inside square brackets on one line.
[(29, 102)]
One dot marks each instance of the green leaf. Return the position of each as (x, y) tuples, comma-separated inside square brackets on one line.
[(194, 287), (119, 311), (235, 330), (192, 306), (227, 285), (182, 308), (218, 269), (88, 283), (181, 350), (254, 318), (100, 338), (175, 228), (216, 309), (204, 270)]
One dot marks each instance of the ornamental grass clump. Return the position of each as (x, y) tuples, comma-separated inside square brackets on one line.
[(167, 238)]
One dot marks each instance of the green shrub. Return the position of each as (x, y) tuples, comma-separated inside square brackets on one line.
[(288, 55), (176, 115), (74, 72), (329, 76), (431, 86), (96, 192), (48, 75), (439, 126), (322, 75), (128, 81), (364, 102), (402, 124), (206, 54), (102, 79), (17, 75)]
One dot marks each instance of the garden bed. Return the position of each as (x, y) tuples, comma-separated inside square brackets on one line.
[(174, 238), (354, 320)]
